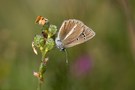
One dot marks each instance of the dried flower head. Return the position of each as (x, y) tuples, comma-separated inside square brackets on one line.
[(34, 48), (41, 20), (36, 74)]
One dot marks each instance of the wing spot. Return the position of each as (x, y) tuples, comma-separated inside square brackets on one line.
[(83, 35)]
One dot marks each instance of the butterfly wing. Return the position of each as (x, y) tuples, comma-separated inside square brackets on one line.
[(67, 31), (85, 35)]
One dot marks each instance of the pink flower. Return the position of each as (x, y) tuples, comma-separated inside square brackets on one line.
[(81, 66)]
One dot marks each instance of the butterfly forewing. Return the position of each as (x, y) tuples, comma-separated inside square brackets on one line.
[(86, 34), (75, 30), (67, 29)]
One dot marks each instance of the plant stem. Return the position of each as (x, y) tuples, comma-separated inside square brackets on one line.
[(44, 54), (39, 85)]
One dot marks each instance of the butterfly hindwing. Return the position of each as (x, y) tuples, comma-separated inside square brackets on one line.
[(83, 37)]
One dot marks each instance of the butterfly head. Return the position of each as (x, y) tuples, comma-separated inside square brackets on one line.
[(59, 44)]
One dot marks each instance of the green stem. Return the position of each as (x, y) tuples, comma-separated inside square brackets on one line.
[(41, 69), (44, 54), (39, 85)]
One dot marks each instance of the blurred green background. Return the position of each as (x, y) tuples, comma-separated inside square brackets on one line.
[(106, 62)]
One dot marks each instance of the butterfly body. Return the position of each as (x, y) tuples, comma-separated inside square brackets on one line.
[(73, 32), (59, 44)]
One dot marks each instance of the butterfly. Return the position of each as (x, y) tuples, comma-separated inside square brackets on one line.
[(73, 32)]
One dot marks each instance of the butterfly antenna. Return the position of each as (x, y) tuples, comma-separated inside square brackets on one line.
[(66, 55)]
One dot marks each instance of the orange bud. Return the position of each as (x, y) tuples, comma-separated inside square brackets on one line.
[(41, 20)]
